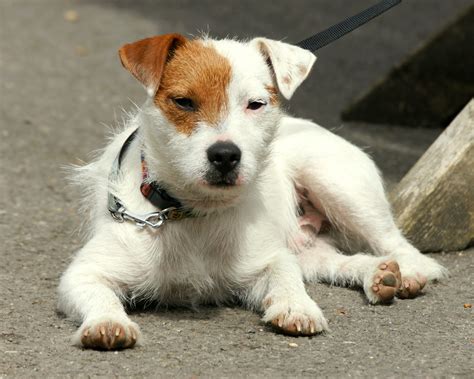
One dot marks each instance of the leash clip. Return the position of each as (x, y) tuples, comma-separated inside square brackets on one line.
[(153, 220)]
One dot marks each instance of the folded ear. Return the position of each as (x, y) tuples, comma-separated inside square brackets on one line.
[(291, 64), (146, 58)]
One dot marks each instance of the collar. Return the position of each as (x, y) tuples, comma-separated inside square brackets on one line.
[(161, 199), (169, 208)]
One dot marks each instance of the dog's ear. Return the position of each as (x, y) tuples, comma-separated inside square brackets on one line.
[(291, 64), (146, 58)]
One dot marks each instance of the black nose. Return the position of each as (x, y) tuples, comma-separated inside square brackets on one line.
[(224, 156)]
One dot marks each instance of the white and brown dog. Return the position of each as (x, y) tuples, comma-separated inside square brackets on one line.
[(271, 201)]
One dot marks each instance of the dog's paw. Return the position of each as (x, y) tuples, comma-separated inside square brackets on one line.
[(417, 265), (411, 286), (417, 269), (381, 286), (302, 318), (107, 334)]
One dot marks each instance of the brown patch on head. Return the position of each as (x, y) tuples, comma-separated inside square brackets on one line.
[(274, 97), (286, 80), (197, 72)]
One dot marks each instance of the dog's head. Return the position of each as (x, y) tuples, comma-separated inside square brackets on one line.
[(213, 109)]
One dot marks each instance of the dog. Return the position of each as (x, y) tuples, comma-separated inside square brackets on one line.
[(268, 201)]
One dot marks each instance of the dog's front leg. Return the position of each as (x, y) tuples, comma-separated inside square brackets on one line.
[(280, 293), (89, 292)]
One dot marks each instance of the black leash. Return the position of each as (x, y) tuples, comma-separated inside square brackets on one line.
[(339, 30)]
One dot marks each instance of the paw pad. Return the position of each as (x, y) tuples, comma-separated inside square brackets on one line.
[(386, 281), (411, 287)]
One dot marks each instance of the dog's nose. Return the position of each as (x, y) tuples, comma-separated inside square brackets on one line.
[(224, 156)]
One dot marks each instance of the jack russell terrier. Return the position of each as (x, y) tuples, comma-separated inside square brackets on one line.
[(252, 203)]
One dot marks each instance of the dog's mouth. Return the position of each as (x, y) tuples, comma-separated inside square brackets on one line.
[(217, 191), (217, 180)]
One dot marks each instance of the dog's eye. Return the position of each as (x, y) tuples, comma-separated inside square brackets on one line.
[(184, 103), (254, 105)]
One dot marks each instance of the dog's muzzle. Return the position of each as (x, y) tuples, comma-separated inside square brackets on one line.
[(224, 158)]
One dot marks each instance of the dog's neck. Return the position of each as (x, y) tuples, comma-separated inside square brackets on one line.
[(156, 194)]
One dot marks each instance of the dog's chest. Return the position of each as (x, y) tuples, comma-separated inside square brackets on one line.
[(195, 263)]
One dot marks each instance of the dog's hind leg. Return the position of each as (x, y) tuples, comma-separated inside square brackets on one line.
[(362, 215), (322, 262), (89, 293), (344, 185)]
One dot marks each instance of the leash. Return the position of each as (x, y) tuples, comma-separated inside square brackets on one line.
[(169, 207), (339, 30)]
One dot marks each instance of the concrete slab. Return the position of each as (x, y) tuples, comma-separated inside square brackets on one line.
[(430, 87)]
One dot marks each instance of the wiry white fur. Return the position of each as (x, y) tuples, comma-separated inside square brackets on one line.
[(244, 245)]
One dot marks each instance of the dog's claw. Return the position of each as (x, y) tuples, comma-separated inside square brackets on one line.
[(109, 335), (298, 326)]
